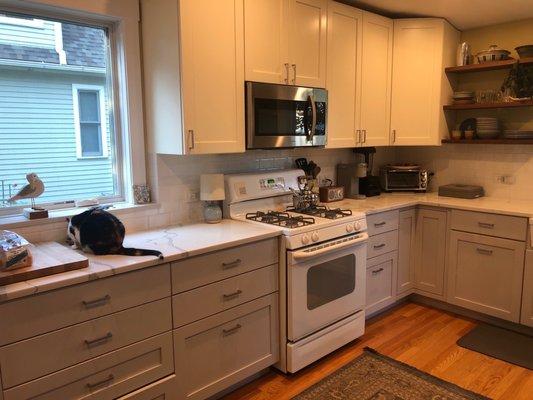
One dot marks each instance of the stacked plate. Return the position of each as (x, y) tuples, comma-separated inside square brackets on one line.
[(464, 97), (487, 127), (516, 134)]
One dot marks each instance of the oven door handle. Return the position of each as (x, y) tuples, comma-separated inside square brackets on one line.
[(304, 254)]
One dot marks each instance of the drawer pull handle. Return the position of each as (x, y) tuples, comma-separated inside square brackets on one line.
[(231, 295), (377, 271), (379, 246), (97, 302), (378, 224), (230, 331), (485, 225), (231, 264), (100, 340), (109, 378), (484, 251)]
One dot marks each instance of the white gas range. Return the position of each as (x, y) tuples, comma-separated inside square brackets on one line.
[(322, 264)]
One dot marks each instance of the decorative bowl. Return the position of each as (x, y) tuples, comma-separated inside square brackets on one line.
[(525, 51), (492, 54)]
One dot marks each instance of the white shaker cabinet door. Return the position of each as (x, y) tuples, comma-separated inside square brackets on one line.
[(430, 252), (376, 79), (527, 294), (266, 41), (486, 274), (406, 251), (212, 45), (307, 42), (423, 47), (344, 75)]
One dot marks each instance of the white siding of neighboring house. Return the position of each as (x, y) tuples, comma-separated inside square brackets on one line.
[(37, 135), (31, 36)]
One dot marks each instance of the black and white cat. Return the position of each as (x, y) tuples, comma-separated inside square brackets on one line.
[(100, 232)]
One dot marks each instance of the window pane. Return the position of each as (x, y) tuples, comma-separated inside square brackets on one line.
[(89, 106), (91, 140), (39, 82)]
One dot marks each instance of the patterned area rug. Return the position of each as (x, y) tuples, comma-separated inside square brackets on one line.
[(373, 376)]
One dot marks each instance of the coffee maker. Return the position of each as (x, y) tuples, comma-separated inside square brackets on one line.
[(357, 178)]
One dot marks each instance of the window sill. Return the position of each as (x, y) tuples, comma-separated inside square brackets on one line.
[(19, 221)]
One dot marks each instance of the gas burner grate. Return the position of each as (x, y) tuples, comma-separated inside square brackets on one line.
[(280, 219), (322, 212)]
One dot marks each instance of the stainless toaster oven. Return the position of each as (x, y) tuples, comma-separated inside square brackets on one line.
[(406, 178)]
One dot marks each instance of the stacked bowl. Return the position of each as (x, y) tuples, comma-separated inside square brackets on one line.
[(463, 97), (487, 127)]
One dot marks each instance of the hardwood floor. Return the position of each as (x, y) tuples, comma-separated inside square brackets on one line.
[(420, 336)]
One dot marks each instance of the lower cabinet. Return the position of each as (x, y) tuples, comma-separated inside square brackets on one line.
[(430, 252), (380, 282), (219, 351), (485, 274), (164, 389), (406, 249), (527, 293)]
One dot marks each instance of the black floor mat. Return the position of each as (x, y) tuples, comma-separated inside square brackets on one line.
[(506, 345)]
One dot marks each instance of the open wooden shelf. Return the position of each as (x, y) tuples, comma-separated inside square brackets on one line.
[(488, 66), (479, 106), (489, 141)]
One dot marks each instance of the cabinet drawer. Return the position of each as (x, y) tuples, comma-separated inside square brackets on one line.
[(382, 222), (381, 282), (208, 300), (82, 342), (486, 274), (164, 389), (490, 224), (219, 351), (201, 270), (32, 316), (104, 377), (382, 243)]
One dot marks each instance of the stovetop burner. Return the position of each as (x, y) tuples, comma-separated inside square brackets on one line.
[(322, 212), (280, 219)]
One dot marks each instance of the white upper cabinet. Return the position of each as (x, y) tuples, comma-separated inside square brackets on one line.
[(376, 80), (285, 41), (266, 41), (423, 47), (343, 75), (207, 39)]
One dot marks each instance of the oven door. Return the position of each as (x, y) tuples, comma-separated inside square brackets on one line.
[(403, 180), (284, 116), (326, 283)]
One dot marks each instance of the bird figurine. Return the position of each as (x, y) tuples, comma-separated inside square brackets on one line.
[(32, 190)]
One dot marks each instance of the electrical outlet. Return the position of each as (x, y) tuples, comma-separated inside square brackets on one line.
[(194, 195)]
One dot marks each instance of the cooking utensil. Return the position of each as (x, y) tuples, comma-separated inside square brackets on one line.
[(301, 163)]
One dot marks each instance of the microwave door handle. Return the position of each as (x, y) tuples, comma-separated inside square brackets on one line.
[(302, 254), (313, 119)]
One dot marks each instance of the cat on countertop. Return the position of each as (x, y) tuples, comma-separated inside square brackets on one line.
[(100, 232)]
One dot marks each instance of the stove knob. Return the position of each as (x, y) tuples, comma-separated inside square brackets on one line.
[(357, 225), (315, 237), (349, 228), (305, 239)]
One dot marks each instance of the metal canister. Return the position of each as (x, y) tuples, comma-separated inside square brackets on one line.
[(463, 54)]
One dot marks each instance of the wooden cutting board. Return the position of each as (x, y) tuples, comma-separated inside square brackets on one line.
[(49, 258)]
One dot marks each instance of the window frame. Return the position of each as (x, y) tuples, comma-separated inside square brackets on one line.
[(76, 88), (29, 23), (121, 19)]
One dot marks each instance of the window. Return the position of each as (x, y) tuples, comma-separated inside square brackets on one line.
[(58, 112), (91, 128)]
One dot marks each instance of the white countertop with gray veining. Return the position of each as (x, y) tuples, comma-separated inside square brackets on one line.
[(176, 243)]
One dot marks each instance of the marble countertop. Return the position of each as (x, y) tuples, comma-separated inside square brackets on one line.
[(393, 201), (176, 243)]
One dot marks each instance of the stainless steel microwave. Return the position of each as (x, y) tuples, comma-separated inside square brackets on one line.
[(285, 116), (404, 178)]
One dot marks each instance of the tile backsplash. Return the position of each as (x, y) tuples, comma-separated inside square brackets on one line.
[(505, 171)]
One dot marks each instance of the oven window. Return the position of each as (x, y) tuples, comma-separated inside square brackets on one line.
[(330, 281), (403, 180)]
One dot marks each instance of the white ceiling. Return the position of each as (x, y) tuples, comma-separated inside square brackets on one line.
[(463, 14)]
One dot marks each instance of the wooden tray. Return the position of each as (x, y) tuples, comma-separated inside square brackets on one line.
[(49, 258)]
